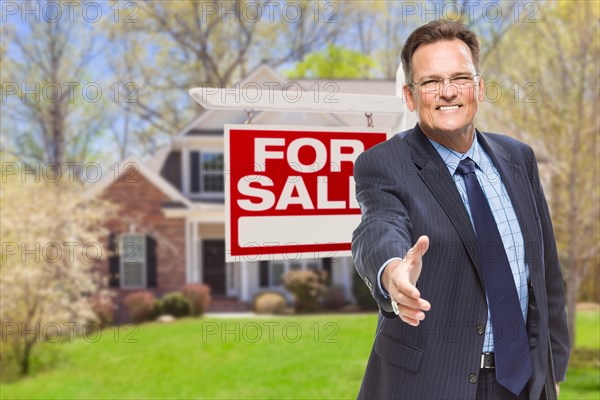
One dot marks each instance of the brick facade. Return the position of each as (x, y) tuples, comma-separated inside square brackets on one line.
[(140, 202)]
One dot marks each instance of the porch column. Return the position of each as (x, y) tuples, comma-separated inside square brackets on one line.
[(197, 257), (188, 252), (244, 280)]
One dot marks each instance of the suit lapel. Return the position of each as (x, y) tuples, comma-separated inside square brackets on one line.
[(516, 182), (436, 177)]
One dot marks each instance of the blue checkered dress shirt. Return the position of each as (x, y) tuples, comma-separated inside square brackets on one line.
[(503, 212)]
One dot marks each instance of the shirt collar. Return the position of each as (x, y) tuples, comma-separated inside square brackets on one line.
[(451, 157)]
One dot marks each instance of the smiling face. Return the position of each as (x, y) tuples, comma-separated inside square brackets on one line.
[(448, 114)]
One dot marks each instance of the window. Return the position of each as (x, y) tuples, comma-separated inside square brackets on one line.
[(271, 272), (206, 174), (212, 172), (133, 261), (276, 274)]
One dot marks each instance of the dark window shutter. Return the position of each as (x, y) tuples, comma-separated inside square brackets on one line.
[(326, 262), (113, 260), (263, 280), (150, 261), (195, 172)]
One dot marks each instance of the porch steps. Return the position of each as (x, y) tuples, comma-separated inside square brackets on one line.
[(227, 304)]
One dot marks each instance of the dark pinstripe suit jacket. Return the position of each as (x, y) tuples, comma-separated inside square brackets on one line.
[(405, 191)]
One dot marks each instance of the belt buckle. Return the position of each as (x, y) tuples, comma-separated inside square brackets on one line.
[(487, 361)]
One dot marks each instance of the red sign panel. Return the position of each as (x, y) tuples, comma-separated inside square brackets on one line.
[(290, 192)]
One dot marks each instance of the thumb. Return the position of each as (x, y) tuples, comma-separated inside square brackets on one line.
[(419, 249)]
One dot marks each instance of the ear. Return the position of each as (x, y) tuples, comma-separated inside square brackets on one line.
[(408, 95), (481, 92)]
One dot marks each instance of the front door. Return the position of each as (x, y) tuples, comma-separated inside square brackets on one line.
[(213, 262)]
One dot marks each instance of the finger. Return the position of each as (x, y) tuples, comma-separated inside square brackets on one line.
[(406, 288), (409, 321), (411, 313), (410, 302)]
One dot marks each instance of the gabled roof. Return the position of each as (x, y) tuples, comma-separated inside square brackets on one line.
[(153, 177), (156, 160)]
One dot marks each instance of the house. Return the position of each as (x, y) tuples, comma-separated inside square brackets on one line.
[(171, 230)]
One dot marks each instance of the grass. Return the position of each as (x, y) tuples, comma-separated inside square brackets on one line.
[(311, 357), (320, 356), (583, 375)]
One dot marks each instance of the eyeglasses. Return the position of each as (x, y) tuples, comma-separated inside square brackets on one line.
[(434, 85)]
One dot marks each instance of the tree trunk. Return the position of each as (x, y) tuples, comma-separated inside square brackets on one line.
[(25, 359)]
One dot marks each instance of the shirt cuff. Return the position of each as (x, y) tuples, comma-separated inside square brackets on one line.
[(381, 289)]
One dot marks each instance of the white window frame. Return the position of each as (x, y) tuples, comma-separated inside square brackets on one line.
[(123, 251), (188, 175)]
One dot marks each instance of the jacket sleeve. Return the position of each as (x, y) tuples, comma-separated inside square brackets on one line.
[(557, 316), (385, 229)]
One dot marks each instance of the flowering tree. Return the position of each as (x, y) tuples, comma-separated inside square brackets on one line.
[(48, 283)]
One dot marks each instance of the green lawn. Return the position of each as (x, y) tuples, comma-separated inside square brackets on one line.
[(583, 376), (320, 356)]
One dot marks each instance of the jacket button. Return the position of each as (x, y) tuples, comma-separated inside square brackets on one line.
[(480, 329), (472, 378)]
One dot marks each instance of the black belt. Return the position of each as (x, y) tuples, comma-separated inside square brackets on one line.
[(487, 361)]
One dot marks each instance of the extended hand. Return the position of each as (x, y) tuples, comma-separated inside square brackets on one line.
[(399, 279)]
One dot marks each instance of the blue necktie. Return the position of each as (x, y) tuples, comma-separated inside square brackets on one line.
[(511, 347)]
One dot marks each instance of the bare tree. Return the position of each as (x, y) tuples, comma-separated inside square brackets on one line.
[(45, 116), (178, 45)]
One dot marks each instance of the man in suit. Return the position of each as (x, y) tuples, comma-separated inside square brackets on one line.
[(456, 244)]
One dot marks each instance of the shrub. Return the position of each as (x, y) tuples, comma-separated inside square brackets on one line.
[(199, 297), (362, 294), (269, 303), (140, 305), (333, 298), (307, 286), (158, 309), (176, 304), (104, 308)]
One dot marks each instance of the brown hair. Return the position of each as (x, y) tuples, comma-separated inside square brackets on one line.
[(437, 31)]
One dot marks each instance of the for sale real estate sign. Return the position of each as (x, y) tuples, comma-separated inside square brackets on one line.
[(289, 192)]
